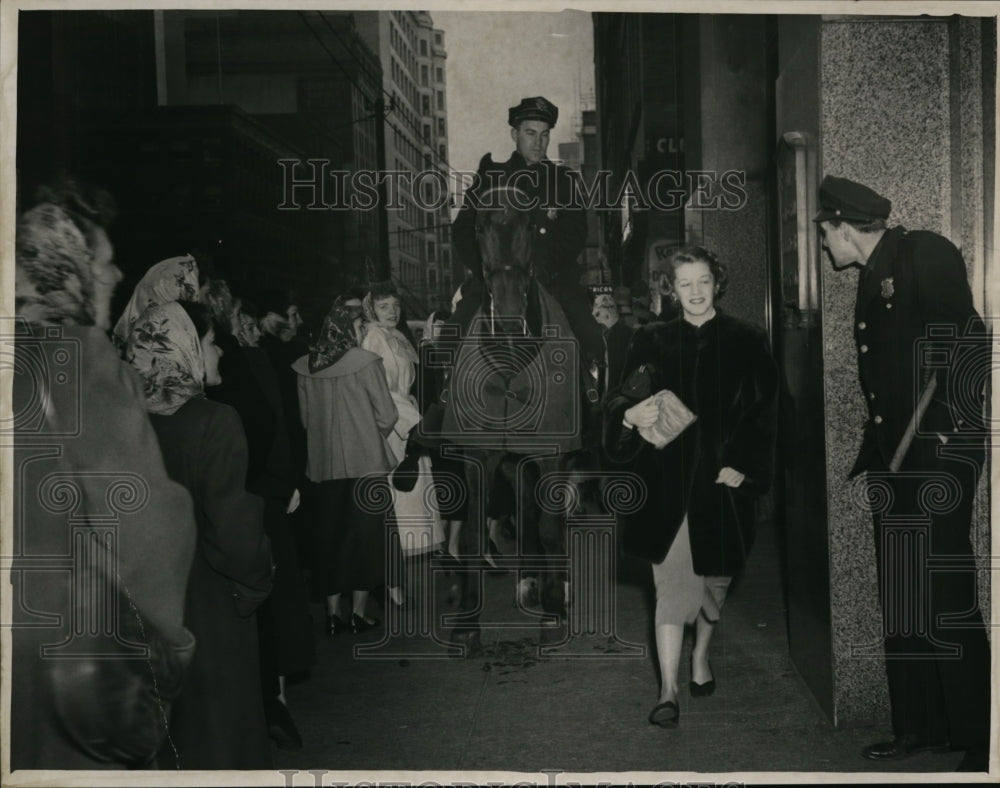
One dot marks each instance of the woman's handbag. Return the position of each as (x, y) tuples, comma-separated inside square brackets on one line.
[(115, 706), (675, 417)]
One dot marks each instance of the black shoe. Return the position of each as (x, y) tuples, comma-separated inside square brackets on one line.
[(976, 759), (359, 624), (666, 715), (281, 727), (335, 625), (702, 690), (901, 747)]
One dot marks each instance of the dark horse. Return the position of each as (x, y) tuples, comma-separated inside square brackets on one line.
[(513, 404)]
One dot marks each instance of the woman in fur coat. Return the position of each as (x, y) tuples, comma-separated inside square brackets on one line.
[(696, 521)]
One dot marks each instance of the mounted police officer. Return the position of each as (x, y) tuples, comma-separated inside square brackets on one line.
[(559, 222), (923, 448)]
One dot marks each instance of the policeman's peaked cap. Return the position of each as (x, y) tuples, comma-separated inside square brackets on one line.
[(843, 199), (536, 108)]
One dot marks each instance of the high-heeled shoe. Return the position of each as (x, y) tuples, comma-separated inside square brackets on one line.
[(701, 690), (359, 624), (335, 625)]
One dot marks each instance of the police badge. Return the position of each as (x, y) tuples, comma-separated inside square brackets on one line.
[(887, 288)]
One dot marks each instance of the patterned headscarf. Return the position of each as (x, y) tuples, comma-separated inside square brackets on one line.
[(335, 339), (54, 275), (173, 279), (163, 346), (401, 344)]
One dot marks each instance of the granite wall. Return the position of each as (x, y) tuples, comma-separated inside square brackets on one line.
[(901, 111)]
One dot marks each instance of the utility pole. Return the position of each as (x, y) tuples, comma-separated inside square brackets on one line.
[(381, 110)]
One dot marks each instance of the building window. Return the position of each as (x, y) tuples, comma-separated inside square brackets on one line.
[(423, 47), (427, 132), (437, 39), (423, 76), (440, 98), (439, 74), (440, 125), (432, 278), (426, 104), (442, 153)]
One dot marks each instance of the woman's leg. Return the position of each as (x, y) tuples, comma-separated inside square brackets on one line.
[(333, 605), (360, 602), (715, 596), (701, 673), (669, 640)]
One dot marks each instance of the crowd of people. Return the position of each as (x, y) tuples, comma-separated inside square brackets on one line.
[(259, 443), (275, 470)]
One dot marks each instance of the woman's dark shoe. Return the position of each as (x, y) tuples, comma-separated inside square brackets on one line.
[(281, 727), (359, 624), (335, 625), (702, 690), (666, 715)]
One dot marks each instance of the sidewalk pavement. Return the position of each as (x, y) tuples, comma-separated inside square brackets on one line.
[(512, 710)]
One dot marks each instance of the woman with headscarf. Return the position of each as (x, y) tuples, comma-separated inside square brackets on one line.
[(417, 516), (79, 418), (218, 722), (348, 412), (173, 279)]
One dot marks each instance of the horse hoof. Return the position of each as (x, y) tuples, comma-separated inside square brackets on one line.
[(469, 639), (551, 634)]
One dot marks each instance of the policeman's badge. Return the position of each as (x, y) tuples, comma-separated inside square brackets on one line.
[(887, 288)]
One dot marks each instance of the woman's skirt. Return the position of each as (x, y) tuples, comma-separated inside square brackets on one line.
[(680, 593), (350, 545)]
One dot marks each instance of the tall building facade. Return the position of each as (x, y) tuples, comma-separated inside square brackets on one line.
[(412, 55)]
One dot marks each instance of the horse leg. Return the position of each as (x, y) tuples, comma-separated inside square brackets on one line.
[(551, 528), (466, 632)]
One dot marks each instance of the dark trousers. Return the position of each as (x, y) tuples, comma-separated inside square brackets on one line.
[(937, 654)]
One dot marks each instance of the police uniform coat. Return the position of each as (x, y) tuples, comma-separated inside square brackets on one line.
[(913, 280), (559, 234), (724, 372)]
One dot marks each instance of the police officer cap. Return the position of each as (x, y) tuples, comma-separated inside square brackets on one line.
[(843, 199), (537, 108)]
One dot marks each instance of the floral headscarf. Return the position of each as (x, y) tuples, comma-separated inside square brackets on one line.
[(163, 346), (54, 275), (402, 344), (173, 279), (335, 339)]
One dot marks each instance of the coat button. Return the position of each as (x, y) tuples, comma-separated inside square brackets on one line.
[(871, 395), (541, 230), (862, 325), (888, 305), (864, 348), (878, 419)]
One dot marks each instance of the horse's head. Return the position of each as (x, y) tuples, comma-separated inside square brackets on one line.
[(503, 230)]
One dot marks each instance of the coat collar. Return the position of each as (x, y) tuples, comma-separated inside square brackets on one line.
[(879, 267)]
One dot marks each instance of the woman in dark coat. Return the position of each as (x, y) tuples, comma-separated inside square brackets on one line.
[(250, 386), (696, 524), (218, 722)]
